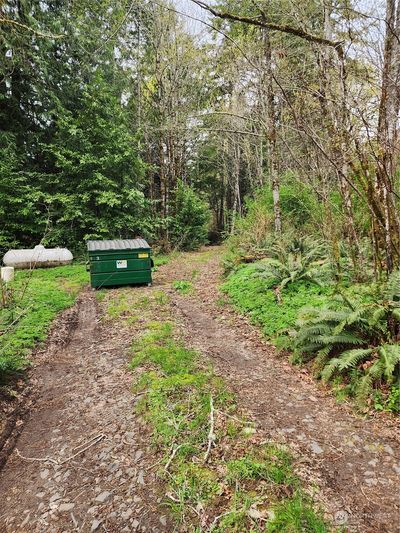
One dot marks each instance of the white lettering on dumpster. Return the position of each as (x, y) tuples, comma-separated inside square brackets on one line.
[(122, 263)]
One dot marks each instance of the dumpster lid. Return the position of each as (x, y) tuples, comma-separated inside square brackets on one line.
[(117, 244)]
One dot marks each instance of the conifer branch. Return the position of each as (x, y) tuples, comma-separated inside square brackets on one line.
[(24, 27)]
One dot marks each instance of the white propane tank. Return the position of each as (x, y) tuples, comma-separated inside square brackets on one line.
[(7, 274), (39, 257)]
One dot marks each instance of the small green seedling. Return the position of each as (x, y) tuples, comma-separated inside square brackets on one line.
[(182, 286)]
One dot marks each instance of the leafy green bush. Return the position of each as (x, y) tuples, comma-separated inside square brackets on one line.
[(253, 233), (188, 229), (254, 236), (393, 400), (296, 259), (358, 338)]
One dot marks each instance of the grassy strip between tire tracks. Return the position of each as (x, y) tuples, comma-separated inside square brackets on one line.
[(220, 475)]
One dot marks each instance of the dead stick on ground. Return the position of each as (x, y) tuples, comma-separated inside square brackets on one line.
[(92, 442), (214, 523), (88, 441), (40, 459), (174, 452), (243, 422), (211, 434)]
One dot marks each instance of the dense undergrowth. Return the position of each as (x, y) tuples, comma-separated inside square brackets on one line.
[(340, 330), (254, 295), (313, 304), (220, 475), (30, 304)]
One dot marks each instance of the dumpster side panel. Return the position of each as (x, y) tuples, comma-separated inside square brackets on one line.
[(106, 279), (119, 267)]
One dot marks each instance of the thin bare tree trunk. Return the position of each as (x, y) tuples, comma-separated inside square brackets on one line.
[(271, 132), (337, 124), (388, 133)]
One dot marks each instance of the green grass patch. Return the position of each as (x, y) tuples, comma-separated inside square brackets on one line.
[(177, 402), (37, 297), (223, 488), (269, 463), (296, 515), (159, 348), (161, 298), (193, 485), (161, 259), (100, 295), (183, 286), (238, 518), (253, 295), (118, 306)]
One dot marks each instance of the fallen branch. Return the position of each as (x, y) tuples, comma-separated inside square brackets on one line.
[(171, 497), (40, 459), (214, 522), (174, 452), (88, 444), (93, 441), (211, 434), (243, 422)]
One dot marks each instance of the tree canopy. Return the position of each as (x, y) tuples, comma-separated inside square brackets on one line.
[(108, 109)]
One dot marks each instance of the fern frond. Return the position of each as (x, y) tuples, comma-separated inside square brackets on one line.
[(373, 374), (364, 388), (379, 314), (322, 357), (284, 282), (392, 291), (307, 334), (396, 314), (342, 339), (315, 347), (389, 355), (328, 316), (351, 305), (352, 358), (330, 369)]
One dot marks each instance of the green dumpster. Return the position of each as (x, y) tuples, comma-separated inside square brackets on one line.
[(119, 262)]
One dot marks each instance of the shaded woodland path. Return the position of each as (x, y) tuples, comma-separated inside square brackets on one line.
[(85, 400), (355, 461)]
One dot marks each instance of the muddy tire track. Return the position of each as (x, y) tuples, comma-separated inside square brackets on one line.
[(83, 399)]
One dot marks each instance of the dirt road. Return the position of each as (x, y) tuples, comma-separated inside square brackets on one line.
[(355, 461), (84, 401)]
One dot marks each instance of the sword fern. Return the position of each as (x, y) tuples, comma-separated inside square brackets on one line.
[(346, 336)]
